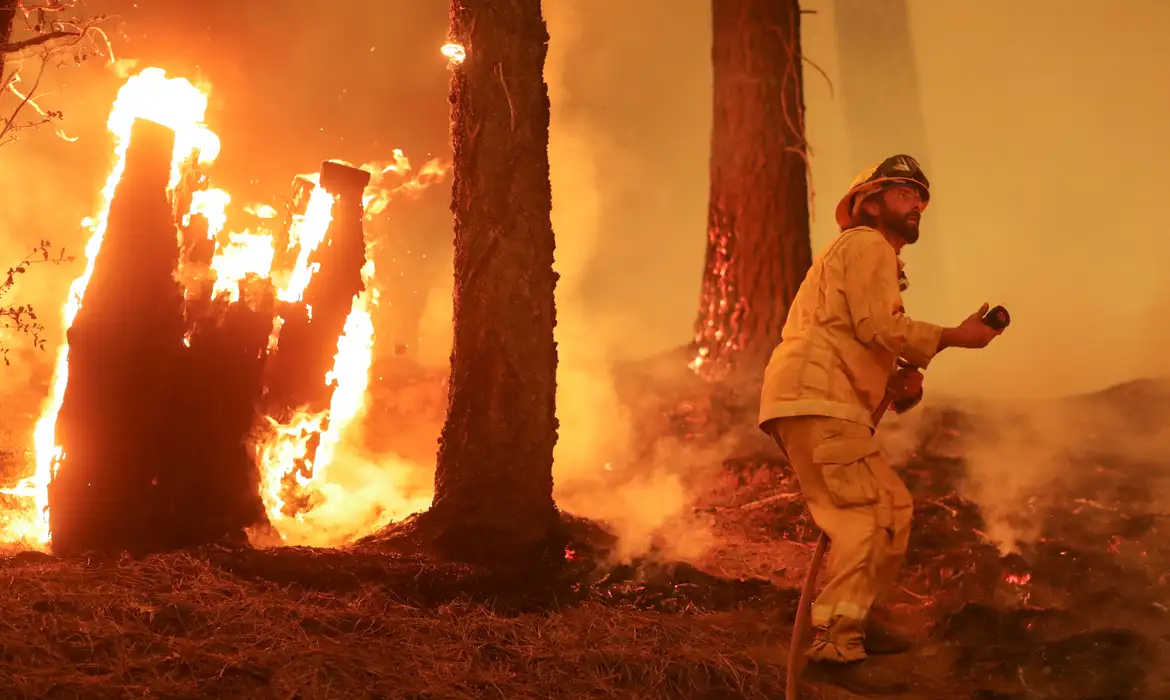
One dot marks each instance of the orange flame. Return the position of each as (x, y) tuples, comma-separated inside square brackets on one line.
[(180, 105)]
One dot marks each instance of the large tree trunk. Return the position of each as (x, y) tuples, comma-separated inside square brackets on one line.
[(884, 115), (493, 484), (758, 248)]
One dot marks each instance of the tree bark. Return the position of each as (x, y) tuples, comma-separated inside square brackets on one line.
[(7, 18), (758, 248), (493, 483)]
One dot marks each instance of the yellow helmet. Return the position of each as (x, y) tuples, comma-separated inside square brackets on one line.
[(900, 168)]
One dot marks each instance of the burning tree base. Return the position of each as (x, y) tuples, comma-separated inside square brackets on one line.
[(151, 432), (168, 398)]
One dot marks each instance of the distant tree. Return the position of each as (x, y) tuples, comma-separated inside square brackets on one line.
[(493, 482), (758, 248)]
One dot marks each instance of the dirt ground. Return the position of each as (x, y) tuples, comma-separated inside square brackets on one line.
[(1082, 611)]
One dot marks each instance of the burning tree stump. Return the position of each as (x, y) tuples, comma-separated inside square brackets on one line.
[(296, 376), (124, 345), (152, 432), (493, 483)]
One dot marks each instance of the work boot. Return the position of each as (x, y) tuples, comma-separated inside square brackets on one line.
[(858, 677), (881, 640)]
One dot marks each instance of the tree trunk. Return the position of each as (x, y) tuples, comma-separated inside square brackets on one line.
[(758, 248), (7, 18), (493, 483)]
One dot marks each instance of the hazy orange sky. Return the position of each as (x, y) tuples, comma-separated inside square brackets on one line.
[(1043, 133), (1044, 137)]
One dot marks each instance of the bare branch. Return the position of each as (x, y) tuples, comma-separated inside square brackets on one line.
[(40, 39), (10, 123), (22, 318), (52, 30)]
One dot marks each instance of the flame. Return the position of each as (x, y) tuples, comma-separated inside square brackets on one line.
[(284, 454), (308, 230), (1017, 579), (288, 447), (381, 190), (246, 253), (149, 95), (261, 211), (212, 204)]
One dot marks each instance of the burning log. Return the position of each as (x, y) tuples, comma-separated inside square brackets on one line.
[(308, 337), (114, 425), (161, 394), (296, 377)]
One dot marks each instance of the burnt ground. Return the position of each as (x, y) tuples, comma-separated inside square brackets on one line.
[(1081, 612)]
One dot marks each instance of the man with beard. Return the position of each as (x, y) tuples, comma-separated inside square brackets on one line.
[(839, 351)]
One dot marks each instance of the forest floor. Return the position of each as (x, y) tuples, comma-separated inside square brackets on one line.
[(1081, 611)]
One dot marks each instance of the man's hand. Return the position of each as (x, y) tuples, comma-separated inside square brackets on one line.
[(905, 389), (972, 333)]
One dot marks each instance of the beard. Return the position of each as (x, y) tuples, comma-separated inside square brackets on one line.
[(905, 227)]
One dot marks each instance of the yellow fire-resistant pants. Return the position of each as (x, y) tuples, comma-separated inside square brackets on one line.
[(865, 509)]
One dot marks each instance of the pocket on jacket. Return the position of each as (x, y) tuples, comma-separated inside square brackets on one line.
[(848, 477)]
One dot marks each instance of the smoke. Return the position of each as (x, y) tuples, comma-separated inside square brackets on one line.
[(1017, 217), (618, 236)]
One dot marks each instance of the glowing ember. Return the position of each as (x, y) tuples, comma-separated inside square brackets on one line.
[(1018, 579), (454, 53), (150, 95)]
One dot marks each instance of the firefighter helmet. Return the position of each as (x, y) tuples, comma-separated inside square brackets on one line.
[(895, 169)]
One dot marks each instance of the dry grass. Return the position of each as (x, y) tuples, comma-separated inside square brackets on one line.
[(182, 626)]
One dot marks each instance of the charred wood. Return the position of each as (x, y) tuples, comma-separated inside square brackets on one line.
[(295, 379), (153, 432), (309, 333), (114, 427)]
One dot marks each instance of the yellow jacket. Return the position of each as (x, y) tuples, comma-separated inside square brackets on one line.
[(844, 334)]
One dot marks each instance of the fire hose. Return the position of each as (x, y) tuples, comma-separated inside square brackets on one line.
[(997, 318)]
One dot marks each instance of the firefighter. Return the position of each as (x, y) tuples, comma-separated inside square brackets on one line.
[(838, 355)]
